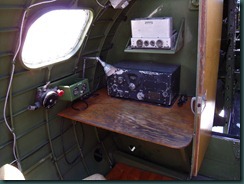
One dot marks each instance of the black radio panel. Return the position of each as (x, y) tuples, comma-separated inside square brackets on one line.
[(145, 81)]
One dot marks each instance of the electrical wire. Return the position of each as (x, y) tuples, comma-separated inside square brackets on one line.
[(79, 145), (79, 109), (11, 129), (5, 118), (80, 150), (104, 148), (62, 141), (51, 145), (103, 6)]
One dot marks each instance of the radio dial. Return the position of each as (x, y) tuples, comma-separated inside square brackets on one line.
[(120, 80), (132, 86), (146, 43), (140, 95), (139, 43), (165, 94), (152, 43), (159, 43), (76, 91), (114, 87), (84, 87)]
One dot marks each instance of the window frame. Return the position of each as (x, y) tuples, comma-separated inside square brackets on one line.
[(32, 18)]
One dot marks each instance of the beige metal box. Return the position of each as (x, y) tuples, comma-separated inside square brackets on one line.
[(152, 27)]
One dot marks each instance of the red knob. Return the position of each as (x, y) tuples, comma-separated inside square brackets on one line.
[(60, 92)]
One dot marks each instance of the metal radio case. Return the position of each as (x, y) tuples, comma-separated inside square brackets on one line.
[(74, 89), (152, 27), (145, 81)]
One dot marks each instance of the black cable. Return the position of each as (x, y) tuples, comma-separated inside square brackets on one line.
[(103, 6), (79, 109), (182, 100)]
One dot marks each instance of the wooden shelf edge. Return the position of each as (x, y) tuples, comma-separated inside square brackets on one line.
[(169, 127)]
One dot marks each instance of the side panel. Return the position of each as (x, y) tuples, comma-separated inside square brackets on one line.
[(46, 144), (222, 159), (210, 25)]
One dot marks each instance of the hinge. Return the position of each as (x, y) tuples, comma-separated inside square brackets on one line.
[(201, 103)]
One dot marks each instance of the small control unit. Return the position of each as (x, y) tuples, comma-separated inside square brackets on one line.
[(152, 27), (74, 89), (46, 97), (154, 33), (68, 89)]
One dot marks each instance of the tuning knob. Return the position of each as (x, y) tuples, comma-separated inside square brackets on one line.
[(132, 86), (165, 94), (140, 95), (50, 99), (159, 43), (120, 80), (139, 43), (146, 43)]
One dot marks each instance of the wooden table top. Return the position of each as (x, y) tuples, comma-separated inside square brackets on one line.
[(167, 126)]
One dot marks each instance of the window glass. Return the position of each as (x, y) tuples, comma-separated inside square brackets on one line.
[(55, 37)]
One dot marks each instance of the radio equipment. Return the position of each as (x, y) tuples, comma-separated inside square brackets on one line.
[(145, 81), (156, 33), (152, 27), (74, 89), (150, 42)]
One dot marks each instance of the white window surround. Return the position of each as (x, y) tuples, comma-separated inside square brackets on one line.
[(55, 37)]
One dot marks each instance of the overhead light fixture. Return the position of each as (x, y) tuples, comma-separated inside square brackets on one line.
[(119, 4)]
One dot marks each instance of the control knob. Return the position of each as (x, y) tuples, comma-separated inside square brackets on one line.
[(159, 43), (76, 91), (114, 87), (139, 43), (120, 80), (165, 94), (140, 95), (120, 93), (132, 86)]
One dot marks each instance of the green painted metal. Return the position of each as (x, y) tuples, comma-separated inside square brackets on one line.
[(175, 159), (42, 135), (39, 159), (222, 160)]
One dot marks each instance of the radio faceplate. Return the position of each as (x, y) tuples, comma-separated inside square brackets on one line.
[(158, 43), (132, 80)]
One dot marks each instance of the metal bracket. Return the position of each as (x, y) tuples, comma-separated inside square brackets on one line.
[(194, 4), (201, 104)]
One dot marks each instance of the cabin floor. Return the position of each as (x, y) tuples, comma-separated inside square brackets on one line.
[(122, 171)]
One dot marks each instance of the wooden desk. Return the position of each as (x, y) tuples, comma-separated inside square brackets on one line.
[(171, 127)]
